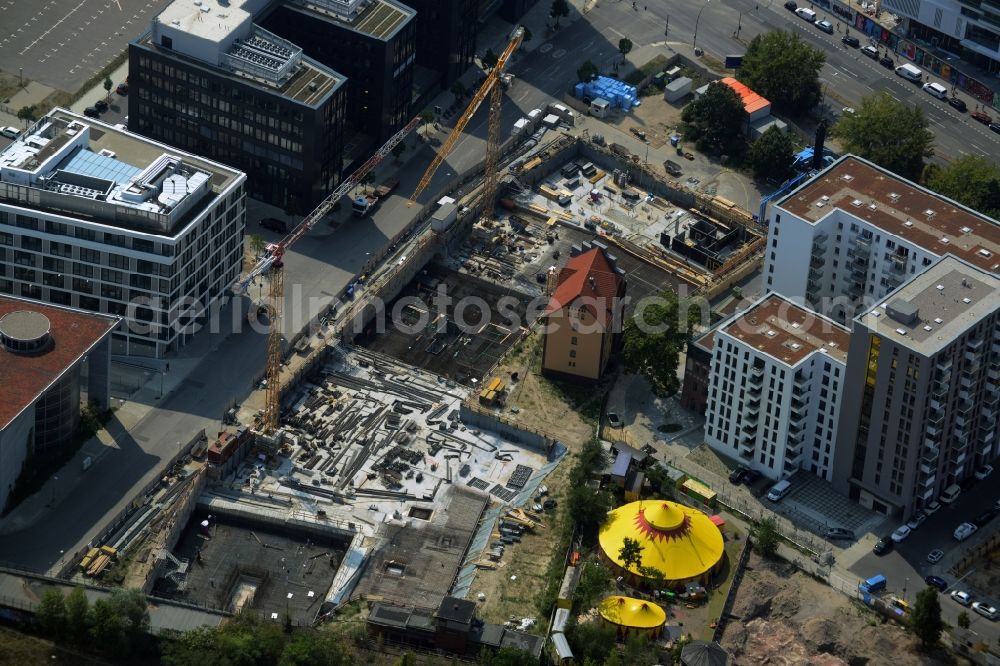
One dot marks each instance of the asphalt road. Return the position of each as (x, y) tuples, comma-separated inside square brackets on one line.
[(906, 566)]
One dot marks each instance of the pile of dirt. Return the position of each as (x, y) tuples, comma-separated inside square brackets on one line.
[(785, 618)]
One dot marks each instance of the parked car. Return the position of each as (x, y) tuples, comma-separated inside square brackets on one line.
[(883, 546), (981, 117), (887, 62), (638, 132), (870, 51), (932, 508), (995, 127), (825, 26), (916, 520), (549, 504), (736, 476), (806, 14), (938, 582), (964, 531), (851, 41), (9, 132), (274, 224), (984, 471), (751, 476), (614, 420), (101, 105), (791, 5), (935, 556), (900, 533), (122, 89), (984, 609), (839, 533), (962, 597), (848, 111), (985, 517), (957, 104), (91, 112)]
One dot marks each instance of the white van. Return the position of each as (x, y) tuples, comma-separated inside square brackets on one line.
[(910, 72), (936, 89), (806, 13), (779, 490), (950, 494)]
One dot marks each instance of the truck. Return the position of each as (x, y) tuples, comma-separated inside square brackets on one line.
[(672, 168), (386, 188), (364, 204)]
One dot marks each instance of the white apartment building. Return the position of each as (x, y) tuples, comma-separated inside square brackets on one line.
[(856, 232), (96, 218), (955, 26), (774, 387)]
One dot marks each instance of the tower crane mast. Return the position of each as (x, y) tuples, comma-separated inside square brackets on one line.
[(271, 262)]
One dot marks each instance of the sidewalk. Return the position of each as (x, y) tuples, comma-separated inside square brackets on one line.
[(33, 93), (98, 92)]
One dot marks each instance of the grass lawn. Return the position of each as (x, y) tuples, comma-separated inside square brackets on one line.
[(655, 65), (717, 598)]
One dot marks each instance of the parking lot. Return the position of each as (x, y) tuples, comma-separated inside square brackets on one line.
[(62, 43)]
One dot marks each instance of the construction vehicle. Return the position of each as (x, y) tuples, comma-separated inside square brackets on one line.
[(364, 204), (386, 188), (271, 263), (493, 86)]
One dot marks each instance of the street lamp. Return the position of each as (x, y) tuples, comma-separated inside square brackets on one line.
[(694, 40)]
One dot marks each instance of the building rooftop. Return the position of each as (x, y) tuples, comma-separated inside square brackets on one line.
[(898, 207), (927, 313), (786, 331), (54, 339), (456, 610), (752, 102), (82, 166), (380, 19), (591, 275), (226, 39)]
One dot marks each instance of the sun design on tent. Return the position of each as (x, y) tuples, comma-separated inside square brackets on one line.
[(662, 521)]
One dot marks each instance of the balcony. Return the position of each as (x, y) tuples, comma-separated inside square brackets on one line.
[(964, 409), (975, 345), (965, 381), (959, 459), (752, 418), (854, 293), (993, 374), (815, 269), (972, 357), (756, 377), (749, 428), (753, 401), (927, 494), (930, 455), (933, 431), (862, 244), (927, 481), (895, 266), (943, 366)]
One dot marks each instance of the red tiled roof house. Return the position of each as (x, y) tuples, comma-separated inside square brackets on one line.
[(583, 317)]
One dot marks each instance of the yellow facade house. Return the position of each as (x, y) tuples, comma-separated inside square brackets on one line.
[(583, 319)]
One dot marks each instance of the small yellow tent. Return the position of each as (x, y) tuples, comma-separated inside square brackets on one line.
[(633, 616)]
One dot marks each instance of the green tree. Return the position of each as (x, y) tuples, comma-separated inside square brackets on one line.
[(560, 8), (771, 155), (716, 121), (426, 117), (52, 613), (119, 624), (490, 60), (408, 659), (656, 578), (925, 619), (588, 509), (766, 537), (108, 85), (653, 338), (630, 554), (888, 132), (591, 640), (314, 648), (963, 620), (257, 244), (457, 89), (505, 657), (27, 114), (77, 616), (785, 70), (969, 179), (587, 71), (624, 47), (595, 580), (398, 149), (526, 37)]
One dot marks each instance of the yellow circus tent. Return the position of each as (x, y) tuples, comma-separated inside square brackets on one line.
[(633, 616), (682, 543)]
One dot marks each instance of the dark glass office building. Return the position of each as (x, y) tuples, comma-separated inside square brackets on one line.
[(218, 85), (446, 36)]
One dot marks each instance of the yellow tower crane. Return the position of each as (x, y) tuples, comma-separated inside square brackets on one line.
[(271, 263), (492, 86)]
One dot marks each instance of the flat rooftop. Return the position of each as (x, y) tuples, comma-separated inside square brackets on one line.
[(785, 331), (949, 298), (98, 171), (901, 208), (24, 377), (380, 19)]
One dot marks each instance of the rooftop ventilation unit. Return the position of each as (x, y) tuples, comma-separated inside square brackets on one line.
[(820, 204), (940, 287), (966, 300), (938, 320), (945, 240), (907, 224), (848, 177), (928, 329), (824, 198), (893, 197), (929, 212), (857, 203), (902, 311), (872, 206), (771, 333), (901, 331), (985, 253), (966, 230), (796, 346)]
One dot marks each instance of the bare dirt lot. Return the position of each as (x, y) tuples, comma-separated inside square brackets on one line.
[(787, 618)]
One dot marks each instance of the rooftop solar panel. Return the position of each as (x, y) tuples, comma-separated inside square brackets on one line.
[(89, 163)]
